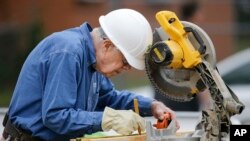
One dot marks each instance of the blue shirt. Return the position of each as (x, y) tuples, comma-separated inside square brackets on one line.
[(59, 96)]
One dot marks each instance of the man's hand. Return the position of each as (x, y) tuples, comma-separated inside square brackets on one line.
[(122, 121), (158, 110)]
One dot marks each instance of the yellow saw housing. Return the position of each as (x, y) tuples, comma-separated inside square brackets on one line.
[(184, 54)]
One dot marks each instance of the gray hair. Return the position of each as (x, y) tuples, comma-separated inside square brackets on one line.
[(102, 33)]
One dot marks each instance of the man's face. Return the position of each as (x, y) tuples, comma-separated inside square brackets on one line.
[(111, 61)]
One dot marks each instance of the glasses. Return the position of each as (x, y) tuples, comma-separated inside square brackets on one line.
[(124, 60)]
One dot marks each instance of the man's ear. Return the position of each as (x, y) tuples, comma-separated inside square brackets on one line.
[(107, 44)]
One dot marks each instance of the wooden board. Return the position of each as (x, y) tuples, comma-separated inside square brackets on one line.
[(117, 138), (135, 137)]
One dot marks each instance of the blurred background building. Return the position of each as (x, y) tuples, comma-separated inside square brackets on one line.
[(24, 23)]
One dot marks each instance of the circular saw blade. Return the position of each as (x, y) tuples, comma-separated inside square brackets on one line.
[(179, 84)]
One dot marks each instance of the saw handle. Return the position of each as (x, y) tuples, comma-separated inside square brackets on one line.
[(202, 48), (165, 122)]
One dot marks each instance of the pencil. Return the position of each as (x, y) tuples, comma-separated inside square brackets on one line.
[(137, 111)]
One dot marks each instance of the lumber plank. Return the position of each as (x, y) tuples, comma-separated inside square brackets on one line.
[(117, 138)]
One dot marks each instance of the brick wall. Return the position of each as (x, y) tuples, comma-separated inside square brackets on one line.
[(217, 17)]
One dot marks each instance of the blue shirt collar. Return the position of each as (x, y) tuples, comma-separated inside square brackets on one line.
[(86, 29)]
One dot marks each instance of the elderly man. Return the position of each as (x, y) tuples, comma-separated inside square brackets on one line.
[(64, 90)]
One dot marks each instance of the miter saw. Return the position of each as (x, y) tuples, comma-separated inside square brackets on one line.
[(182, 63)]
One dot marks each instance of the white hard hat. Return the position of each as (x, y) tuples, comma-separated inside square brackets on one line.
[(130, 32)]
